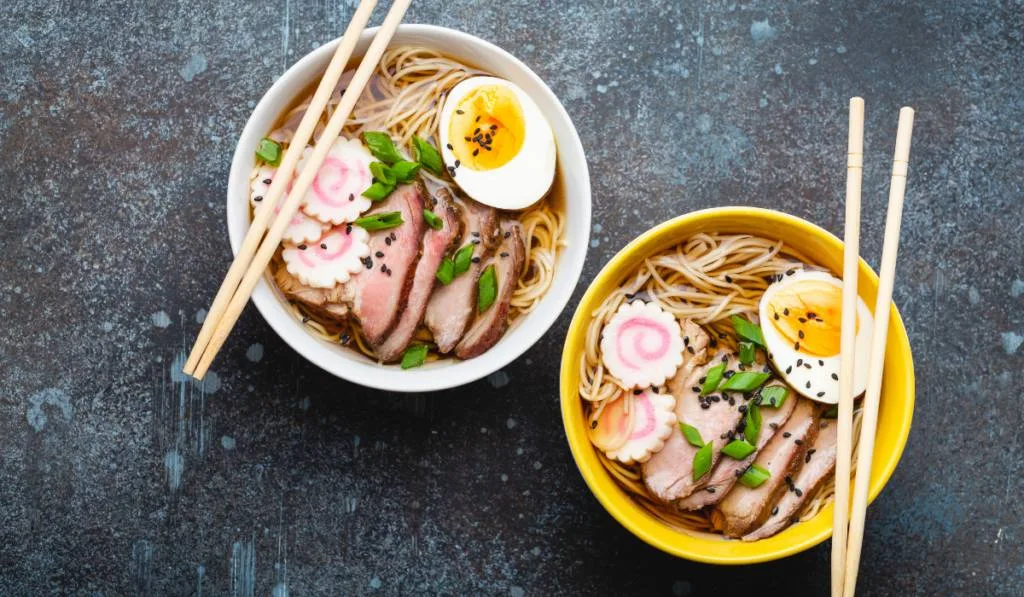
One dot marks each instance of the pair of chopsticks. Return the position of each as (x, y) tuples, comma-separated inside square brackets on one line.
[(846, 547), (254, 256)]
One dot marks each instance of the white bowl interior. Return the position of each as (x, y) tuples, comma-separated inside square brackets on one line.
[(349, 364)]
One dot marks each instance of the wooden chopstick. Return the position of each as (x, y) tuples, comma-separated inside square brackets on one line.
[(848, 339), (879, 337), (291, 157), (269, 246)]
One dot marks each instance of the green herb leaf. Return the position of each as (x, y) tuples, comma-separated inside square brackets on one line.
[(382, 147), (754, 476), (714, 377), (747, 331), (405, 171), (382, 173), (446, 271), (702, 461), (745, 381), (414, 356), (432, 219), (692, 435), (773, 396), (426, 155), (378, 191), (832, 412), (383, 221), (738, 449), (752, 428), (747, 352), (463, 257), (269, 151), (487, 289)]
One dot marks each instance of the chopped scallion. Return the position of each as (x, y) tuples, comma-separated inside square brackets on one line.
[(713, 378), (754, 476), (446, 271), (405, 171), (427, 155), (702, 461), (692, 435), (745, 381), (382, 147), (738, 449), (747, 351), (414, 356), (383, 173), (487, 289), (378, 191), (382, 221), (432, 219), (269, 151), (773, 396), (747, 331), (463, 257), (752, 427)]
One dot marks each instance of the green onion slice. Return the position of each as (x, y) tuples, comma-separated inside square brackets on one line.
[(414, 356), (702, 461), (382, 173), (745, 381), (747, 331), (738, 449), (773, 396), (446, 271), (427, 155), (752, 428), (714, 377), (269, 151), (382, 147), (754, 476), (747, 352), (405, 171), (432, 219), (692, 435), (487, 289), (382, 221), (463, 257), (378, 191)]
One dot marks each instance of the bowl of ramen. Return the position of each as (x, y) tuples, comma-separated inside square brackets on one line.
[(445, 230), (699, 381)]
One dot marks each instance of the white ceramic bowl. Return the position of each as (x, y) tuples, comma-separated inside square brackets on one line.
[(348, 364)]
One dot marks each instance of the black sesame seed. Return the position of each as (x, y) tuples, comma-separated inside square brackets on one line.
[(808, 384), (475, 233), (508, 233), (801, 320), (387, 240), (789, 480), (457, 163), (820, 394), (695, 389), (705, 405), (835, 377), (786, 434), (393, 237), (637, 392), (776, 315), (305, 319), (811, 315), (742, 408), (725, 358), (723, 335), (732, 401), (799, 362), (504, 254), (800, 334), (476, 152), (593, 424), (773, 425), (798, 442), (686, 342), (729, 374), (775, 510), (713, 343), (785, 312), (344, 339), (807, 365), (449, 146), (348, 229), (383, 268), (789, 370), (821, 363), (459, 112), (476, 131), (798, 492), (739, 473), (690, 349), (258, 198), (796, 345), (709, 489), (477, 120), (267, 181), (475, 260), (323, 245), (728, 278), (379, 254), (302, 247), (715, 398)]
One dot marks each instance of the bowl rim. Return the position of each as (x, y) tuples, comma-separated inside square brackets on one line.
[(576, 435), (423, 379)]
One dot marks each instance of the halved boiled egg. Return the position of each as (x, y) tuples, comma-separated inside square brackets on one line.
[(496, 143), (800, 317)]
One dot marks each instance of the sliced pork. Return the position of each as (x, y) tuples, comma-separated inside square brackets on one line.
[(435, 245), (379, 294), (818, 464), (452, 306), (328, 303), (489, 326), (728, 470), (669, 473), (744, 508)]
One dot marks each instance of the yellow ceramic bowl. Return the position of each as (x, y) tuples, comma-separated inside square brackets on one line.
[(896, 407)]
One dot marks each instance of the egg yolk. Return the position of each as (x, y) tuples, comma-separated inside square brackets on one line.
[(808, 314), (487, 129)]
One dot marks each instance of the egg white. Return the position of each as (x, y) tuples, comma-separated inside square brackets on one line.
[(817, 370), (523, 180)]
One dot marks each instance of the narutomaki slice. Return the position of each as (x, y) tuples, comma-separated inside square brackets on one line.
[(336, 195), (642, 345), (330, 260), (653, 420), (612, 425), (302, 228)]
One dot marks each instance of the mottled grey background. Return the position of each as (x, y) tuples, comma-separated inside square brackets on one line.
[(117, 124)]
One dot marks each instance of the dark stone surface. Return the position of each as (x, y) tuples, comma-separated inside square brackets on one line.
[(117, 124)]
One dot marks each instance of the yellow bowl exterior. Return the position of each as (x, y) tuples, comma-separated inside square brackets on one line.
[(895, 412)]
